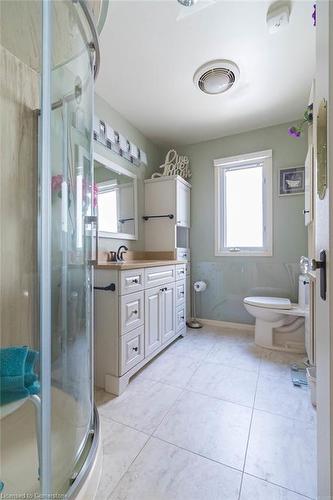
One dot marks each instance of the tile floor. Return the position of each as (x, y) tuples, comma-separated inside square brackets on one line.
[(212, 418)]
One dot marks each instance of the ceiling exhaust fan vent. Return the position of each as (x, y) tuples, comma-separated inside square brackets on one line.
[(216, 77)]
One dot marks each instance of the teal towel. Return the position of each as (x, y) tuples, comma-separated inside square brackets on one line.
[(29, 372), (18, 379), (12, 361)]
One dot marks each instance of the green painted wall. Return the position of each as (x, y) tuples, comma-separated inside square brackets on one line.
[(155, 157), (230, 279)]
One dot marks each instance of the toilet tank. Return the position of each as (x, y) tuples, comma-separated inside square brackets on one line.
[(303, 291)]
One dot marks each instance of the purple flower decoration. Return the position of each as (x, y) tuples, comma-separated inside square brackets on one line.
[(314, 15), (294, 132)]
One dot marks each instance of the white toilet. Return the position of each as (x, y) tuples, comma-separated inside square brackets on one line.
[(280, 324)]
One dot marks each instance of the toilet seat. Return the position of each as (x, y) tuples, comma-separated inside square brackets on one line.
[(269, 302)]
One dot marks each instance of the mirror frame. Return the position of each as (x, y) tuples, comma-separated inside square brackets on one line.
[(114, 167)]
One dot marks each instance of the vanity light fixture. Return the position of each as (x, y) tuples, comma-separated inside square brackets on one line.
[(116, 142)]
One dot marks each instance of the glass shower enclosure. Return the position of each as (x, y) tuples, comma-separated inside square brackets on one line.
[(49, 59)]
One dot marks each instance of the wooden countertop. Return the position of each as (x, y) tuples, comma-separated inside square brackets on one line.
[(137, 264)]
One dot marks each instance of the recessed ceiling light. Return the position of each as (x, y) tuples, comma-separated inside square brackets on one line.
[(216, 77)]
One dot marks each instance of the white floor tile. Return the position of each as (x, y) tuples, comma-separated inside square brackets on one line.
[(282, 450), (165, 472), (170, 368), (279, 395), (142, 406), (121, 445), (277, 363), (257, 489), (220, 370), (240, 353), (225, 382), (193, 346), (210, 427)]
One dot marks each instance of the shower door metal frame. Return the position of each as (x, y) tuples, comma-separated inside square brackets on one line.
[(45, 249)]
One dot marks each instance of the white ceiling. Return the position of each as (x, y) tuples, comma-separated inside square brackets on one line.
[(149, 58)]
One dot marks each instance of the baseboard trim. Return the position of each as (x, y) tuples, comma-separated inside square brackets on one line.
[(227, 324)]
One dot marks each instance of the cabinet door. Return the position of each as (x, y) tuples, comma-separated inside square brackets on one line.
[(153, 306), (168, 312), (183, 204)]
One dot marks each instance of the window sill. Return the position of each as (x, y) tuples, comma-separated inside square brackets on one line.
[(244, 254)]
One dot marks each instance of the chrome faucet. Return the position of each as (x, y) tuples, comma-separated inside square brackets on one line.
[(120, 252)]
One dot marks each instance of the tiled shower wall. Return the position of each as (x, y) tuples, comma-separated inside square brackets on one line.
[(230, 279), (19, 98)]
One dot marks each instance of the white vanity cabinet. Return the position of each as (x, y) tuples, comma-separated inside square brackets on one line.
[(145, 313)]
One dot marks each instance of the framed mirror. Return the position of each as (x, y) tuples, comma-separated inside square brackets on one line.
[(116, 192)]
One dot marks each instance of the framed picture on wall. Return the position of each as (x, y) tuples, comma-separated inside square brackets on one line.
[(291, 181)]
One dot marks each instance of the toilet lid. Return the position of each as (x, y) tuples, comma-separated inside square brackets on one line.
[(269, 302)]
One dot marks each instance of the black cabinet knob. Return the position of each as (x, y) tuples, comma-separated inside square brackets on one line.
[(135, 349)]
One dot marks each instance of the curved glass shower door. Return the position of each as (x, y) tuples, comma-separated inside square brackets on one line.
[(47, 232), (71, 240)]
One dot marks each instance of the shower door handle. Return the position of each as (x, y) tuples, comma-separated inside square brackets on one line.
[(91, 220)]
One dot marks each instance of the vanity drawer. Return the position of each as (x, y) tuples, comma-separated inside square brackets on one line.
[(180, 271), (131, 349), (183, 254), (180, 292), (155, 276), (131, 311), (180, 317), (131, 281)]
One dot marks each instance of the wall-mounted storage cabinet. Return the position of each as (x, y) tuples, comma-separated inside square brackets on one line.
[(169, 196)]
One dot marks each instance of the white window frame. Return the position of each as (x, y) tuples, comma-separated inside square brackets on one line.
[(239, 161)]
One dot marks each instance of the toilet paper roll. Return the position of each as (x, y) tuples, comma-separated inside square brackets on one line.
[(199, 286)]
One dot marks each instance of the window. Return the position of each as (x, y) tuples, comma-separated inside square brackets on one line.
[(107, 207), (243, 204)]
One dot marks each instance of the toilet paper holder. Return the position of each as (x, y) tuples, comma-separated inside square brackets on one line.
[(198, 287)]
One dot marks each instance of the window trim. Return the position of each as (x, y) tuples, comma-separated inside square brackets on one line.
[(244, 160)]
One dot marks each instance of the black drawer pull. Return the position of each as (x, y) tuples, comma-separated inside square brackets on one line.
[(135, 311), (135, 349), (135, 281)]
